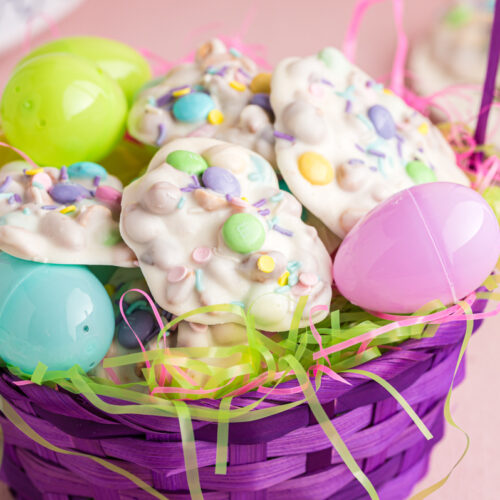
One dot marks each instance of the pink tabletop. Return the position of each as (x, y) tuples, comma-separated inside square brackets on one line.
[(297, 27)]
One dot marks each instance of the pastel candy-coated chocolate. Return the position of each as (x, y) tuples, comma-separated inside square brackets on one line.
[(187, 161), (193, 107), (419, 172), (221, 181), (382, 120), (87, 170), (243, 233), (58, 315), (432, 241), (143, 324), (66, 193)]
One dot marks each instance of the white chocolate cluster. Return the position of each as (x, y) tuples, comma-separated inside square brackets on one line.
[(215, 96), (47, 216), (345, 144), (192, 247)]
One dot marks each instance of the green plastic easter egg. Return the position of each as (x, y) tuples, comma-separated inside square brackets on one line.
[(119, 61), (60, 109)]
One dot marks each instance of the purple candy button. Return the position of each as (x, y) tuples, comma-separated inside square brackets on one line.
[(221, 181), (382, 120)]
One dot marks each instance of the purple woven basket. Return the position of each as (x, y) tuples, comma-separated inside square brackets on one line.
[(280, 457)]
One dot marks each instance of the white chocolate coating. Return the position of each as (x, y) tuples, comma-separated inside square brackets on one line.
[(165, 234), (324, 104), (216, 67), (32, 226)]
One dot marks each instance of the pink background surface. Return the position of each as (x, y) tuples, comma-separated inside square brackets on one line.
[(301, 27)]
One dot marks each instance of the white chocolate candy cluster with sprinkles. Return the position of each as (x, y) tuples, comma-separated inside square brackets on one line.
[(220, 95), (344, 143), (209, 226), (62, 216)]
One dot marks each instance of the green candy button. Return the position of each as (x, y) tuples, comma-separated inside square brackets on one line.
[(191, 163), (243, 233), (419, 172)]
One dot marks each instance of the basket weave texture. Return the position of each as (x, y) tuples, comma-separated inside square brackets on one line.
[(279, 457)]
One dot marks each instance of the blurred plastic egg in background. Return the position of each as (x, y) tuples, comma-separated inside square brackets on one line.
[(60, 109), (58, 315), (436, 241), (119, 61)]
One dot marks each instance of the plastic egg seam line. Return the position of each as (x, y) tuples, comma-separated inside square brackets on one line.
[(435, 246)]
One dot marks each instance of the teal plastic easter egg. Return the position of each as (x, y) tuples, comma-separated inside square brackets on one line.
[(119, 61), (61, 109), (57, 315)]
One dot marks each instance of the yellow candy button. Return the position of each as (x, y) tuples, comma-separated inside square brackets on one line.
[(34, 171), (237, 85), (315, 168), (215, 117), (261, 84), (265, 263), (181, 92)]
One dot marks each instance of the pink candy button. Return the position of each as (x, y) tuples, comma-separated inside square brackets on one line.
[(308, 279), (43, 179), (176, 274), (108, 194), (201, 254)]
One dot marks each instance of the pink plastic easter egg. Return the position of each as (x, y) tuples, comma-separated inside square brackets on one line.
[(432, 241)]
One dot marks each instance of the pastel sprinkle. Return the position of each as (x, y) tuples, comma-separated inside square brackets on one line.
[(96, 181), (26, 211), (162, 134), (37, 185), (182, 202), (12, 199), (264, 212), (260, 203), (63, 175), (50, 207), (282, 135), (67, 210), (282, 289), (282, 230), (215, 117), (277, 197), (33, 171), (240, 87), (201, 255), (234, 52), (283, 279), (293, 279), (5, 184), (237, 303), (182, 91), (198, 274), (375, 152), (177, 274), (364, 120), (293, 266), (265, 263)]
